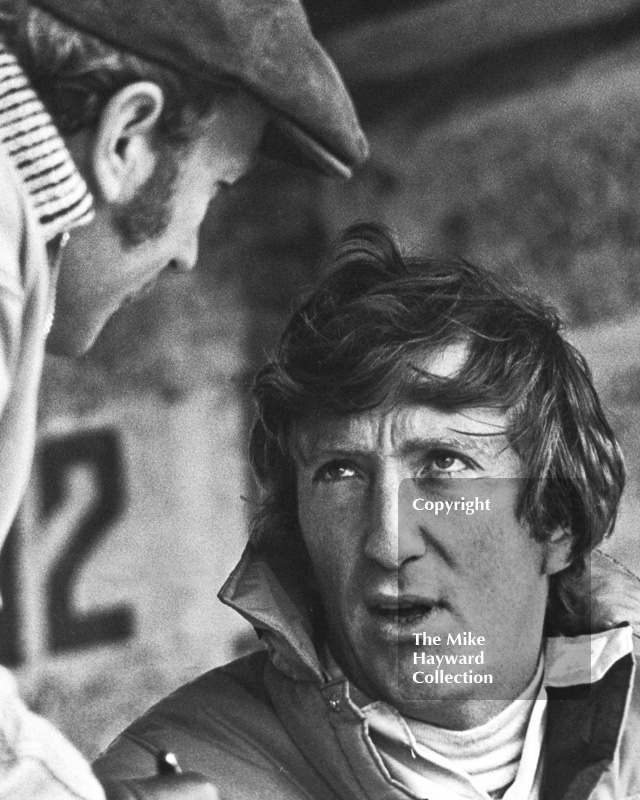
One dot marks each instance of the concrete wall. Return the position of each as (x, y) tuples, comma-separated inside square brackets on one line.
[(134, 519)]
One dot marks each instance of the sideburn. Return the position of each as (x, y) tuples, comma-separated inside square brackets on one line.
[(146, 216)]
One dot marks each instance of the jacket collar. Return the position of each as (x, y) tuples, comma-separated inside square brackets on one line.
[(269, 590), (58, 194), (585, 732)]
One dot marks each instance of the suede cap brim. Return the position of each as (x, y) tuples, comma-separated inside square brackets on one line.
[(264, 46)]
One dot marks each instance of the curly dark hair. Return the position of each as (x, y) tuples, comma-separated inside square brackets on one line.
[(352, 345)]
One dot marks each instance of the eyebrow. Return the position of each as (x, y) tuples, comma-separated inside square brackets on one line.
[(480, 443)]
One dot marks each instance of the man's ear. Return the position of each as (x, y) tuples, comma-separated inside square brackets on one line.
[(558, 554), (122, 153)]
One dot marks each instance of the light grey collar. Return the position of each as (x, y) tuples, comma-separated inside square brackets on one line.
[(58, 193)]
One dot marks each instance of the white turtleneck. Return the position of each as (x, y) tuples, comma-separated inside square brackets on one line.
[(489, 754), (501, 758)]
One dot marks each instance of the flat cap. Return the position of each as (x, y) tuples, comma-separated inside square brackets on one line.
[(264, 46)]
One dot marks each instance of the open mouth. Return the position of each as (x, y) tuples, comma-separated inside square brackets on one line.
[(404, 612), (137, 294)]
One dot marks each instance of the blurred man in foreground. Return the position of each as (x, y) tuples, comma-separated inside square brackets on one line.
[(436, 472), (120, 121)]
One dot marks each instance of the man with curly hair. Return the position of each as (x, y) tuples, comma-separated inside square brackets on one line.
[(436, 473)]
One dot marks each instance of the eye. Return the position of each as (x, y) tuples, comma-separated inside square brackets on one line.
[(445, 463), (336, 471)]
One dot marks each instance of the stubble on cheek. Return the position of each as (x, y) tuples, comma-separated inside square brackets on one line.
[(147, 215)]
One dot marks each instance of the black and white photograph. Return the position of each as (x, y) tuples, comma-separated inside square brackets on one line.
[(319, 399)]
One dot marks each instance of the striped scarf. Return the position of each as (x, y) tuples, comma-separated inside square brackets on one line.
[(56, 189)]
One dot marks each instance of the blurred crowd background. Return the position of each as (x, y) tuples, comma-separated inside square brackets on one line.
[(504, 131)]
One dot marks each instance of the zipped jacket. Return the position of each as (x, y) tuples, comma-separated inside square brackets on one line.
[(272, 725)]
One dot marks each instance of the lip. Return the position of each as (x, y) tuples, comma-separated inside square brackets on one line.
[(399, 617), (146, 289), (139, 294)]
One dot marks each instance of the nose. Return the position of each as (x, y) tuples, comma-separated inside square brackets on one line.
[(393, 538)]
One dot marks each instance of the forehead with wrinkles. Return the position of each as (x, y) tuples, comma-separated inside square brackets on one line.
[(410, 427)]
